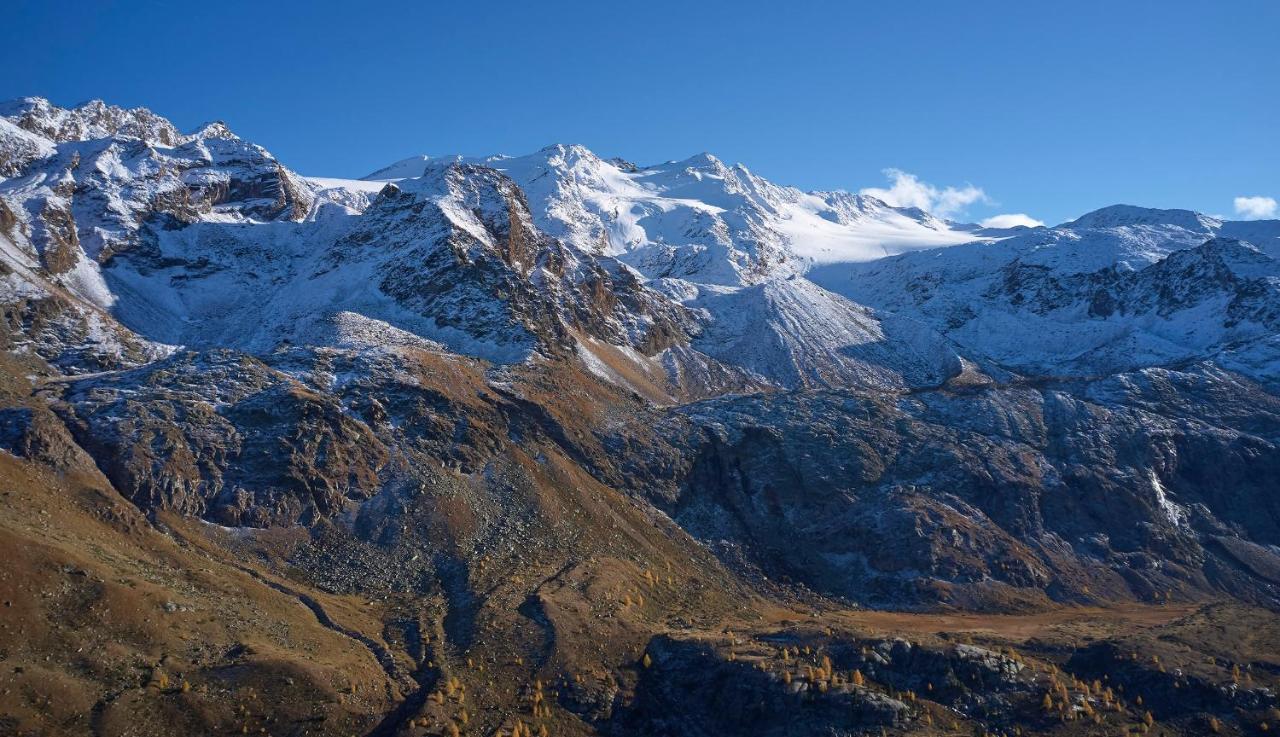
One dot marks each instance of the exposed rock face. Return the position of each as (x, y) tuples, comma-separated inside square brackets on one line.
[(461, 250), (36, 317), (93, 119), (260, 449), (62, 244), (1170, 695), (970, 679), (987, 495)]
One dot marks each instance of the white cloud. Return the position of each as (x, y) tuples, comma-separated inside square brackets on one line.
[(906, 190), (1256, 208), (1011, 220)]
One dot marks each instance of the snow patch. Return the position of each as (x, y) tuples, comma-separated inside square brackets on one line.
[(1174, 512)]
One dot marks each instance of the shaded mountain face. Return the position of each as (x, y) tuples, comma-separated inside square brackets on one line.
[(528, 419), (999, 492)]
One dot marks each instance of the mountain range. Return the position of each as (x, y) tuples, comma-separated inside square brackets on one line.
[(564, 444)]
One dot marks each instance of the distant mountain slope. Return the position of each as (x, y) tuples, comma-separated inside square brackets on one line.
[(1114, 290)]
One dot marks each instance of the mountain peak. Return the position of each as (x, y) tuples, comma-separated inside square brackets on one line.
[(89, 120), (567, 149), (703, 160), (1122, 215), (24, 105), (214, 129), (406, 168), (562, 155)]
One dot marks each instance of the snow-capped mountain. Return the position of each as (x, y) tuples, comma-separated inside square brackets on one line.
[(1116, 289), (680, 275), (86, 184), (733, 247), (699, 220), (449, 260), (203, 239)]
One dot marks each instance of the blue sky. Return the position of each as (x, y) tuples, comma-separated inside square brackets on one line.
[(1052, 109)]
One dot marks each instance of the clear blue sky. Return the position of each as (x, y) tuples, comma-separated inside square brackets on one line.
[(1053, 109)]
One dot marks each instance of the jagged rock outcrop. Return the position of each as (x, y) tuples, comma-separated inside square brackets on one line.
[(225, 438)]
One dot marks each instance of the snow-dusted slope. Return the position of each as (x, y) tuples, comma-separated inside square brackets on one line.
[(19, 148), (342, 196), (451, 258), (103, 173), (1119, 288), (205, 240), (39, 316), (795, 333), (89, 121), (728, 243), (699, 219)]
